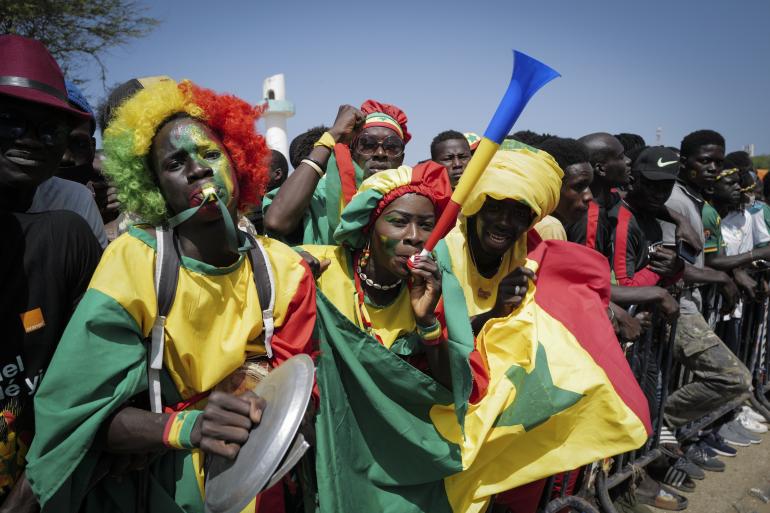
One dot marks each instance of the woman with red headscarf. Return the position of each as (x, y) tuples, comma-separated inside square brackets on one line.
[(394, 341), (368, 279)]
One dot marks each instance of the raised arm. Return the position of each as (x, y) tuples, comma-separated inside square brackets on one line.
[(293, 198)]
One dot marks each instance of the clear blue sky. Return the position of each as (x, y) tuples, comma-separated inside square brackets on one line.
[(627, 66)]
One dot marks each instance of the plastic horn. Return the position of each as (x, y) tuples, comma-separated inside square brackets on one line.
[(529, 75)]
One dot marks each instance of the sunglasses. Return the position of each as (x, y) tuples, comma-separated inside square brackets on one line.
[(391, 145), (49, 133)]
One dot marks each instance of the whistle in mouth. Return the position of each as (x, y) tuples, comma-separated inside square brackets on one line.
[(209, 193)]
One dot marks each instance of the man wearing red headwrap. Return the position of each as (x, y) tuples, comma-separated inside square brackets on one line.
[(359, 144), (380, 145)]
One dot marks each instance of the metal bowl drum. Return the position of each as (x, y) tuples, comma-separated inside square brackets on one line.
[(274, 446)]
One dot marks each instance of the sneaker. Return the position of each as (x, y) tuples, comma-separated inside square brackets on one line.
[(718, 445), (711, 453), (736, 427), (750, 424), (753, 414), (731, 437), (690, 468), (698, 455), (652, 493)]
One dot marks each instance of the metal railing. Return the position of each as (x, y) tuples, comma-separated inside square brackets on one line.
[(651, 360)]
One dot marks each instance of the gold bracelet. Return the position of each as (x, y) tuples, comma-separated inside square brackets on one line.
[(326, 140), (315, 167)]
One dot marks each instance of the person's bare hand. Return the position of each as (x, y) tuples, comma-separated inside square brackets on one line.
[(746, 284), (106, 197), (729, 292), (629, 327), (226, 423), (512, 290), (317, 267), (665, 262), (425, 289), (645, 320), (669, 307), (348, 124)]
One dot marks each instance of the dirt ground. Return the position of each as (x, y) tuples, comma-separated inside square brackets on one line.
[(729, 491)]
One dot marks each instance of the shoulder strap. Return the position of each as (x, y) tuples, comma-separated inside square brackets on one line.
[(166, 277), (265, 284)]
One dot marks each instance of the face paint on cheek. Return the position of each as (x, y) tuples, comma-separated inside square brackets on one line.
[(223, 177), (198, 144), (389, 245)]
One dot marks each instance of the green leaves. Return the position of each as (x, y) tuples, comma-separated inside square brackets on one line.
[(71, 28)]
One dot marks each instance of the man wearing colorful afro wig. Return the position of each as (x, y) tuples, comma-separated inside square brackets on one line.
[(183, 158), (359, 144)]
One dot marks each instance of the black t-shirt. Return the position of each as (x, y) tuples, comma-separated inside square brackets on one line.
[(591, 230), (632, 234), (46, 262)]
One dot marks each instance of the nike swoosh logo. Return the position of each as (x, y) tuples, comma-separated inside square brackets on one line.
[(667, 163)]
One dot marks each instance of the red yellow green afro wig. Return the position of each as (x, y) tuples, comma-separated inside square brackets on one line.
[(128, 138)]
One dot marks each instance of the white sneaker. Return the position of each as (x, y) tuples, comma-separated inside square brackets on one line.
[(753, 414), (750, 424)]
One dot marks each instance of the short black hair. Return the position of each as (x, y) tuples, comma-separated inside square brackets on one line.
[(695, 140), (529, 137), (634, 154), (446, 135), (279, 161), (302, 145), (630, 142), (565, 151), (115, 97), (738, 159)]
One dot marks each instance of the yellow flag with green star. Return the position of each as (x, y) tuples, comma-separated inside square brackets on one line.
[(559, 395)]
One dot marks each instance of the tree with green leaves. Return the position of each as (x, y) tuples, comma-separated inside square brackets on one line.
[(71, 29), (761, 161)]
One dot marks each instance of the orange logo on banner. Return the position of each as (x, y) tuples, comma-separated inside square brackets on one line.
[(32, 320)]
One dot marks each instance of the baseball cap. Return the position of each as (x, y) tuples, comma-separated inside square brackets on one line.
[(657, 163)]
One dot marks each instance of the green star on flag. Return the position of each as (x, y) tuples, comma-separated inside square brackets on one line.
[(537, 398)]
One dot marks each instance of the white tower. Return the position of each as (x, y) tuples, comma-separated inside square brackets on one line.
[(278, 111)]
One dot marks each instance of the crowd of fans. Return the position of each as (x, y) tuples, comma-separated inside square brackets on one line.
[(182, 167)]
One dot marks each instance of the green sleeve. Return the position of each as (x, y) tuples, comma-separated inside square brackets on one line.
[(99, 364), (711, 229)]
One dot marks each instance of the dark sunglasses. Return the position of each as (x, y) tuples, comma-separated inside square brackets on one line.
[(391, 145), (49, 133)]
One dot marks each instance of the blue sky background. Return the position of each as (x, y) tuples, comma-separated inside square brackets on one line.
[(627, 66)]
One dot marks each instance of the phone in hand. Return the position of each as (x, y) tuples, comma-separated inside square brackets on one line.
[(686, 252)]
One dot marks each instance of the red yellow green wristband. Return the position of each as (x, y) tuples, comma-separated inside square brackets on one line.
[(430, 335), (178, 430)]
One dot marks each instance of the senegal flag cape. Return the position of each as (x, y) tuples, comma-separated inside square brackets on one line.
[(332, 193), (377, 449), (560, 395), (100, 366)]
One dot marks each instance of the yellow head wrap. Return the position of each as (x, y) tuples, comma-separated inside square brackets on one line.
[(526, 175)]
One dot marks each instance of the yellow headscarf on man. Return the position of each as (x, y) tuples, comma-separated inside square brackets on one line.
[(520, 173), (523, 174)]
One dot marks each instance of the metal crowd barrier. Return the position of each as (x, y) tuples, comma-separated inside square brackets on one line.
[(651, 359)]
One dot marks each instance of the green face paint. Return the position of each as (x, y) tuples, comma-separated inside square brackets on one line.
[(207, 151), (388, 244)]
